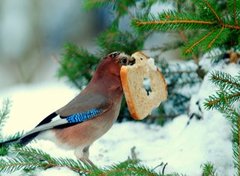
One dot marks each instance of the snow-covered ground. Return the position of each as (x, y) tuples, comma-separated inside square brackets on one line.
[(184, 148)]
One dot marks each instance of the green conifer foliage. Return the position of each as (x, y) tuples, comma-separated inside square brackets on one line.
[(4, 112), (77, 65), (208, 170), (217, 27), (29, 159), (227, 101)]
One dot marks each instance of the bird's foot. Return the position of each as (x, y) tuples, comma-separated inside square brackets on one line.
[(87, 161)]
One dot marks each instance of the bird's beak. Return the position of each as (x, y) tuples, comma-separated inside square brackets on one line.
[(126, 59), (131, 61)]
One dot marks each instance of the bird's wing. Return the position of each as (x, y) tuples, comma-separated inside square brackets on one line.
[(80, 109), (85, 102)]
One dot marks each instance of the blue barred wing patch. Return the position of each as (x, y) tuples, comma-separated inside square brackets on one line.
[(83, 116)]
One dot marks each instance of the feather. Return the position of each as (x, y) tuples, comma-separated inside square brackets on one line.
[(83, 116), (63, 122)]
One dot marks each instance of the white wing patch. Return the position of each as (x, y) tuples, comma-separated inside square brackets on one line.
[(56, 121)]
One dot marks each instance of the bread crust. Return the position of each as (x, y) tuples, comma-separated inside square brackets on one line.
[(128, 95), (140, 104)]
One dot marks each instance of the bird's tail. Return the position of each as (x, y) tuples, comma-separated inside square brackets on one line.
[(9, 142), (22, 141), (28, 138)]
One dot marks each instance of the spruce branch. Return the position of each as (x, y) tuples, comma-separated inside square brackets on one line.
[(17, 135), (121, 7), (4, 112), (113, 39), (225, 80), (77, 65), (30, 159), (10, 165), (235, 11), (235, 27), (215, 38), (129, 167), (208, 169), (223, 100), (171, 20), (236, 143), (189, 49), (233, 7), (217, 29), (229, 91), (213, 11), (218, 36), (96, 3)]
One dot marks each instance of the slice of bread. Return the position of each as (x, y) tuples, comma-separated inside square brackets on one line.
[(140, 101)]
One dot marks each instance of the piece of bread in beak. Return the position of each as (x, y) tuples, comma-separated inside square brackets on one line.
[(141, 100)]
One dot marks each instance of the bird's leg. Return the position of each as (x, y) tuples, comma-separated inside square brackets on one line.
[(83, 155), (87, 161), (86, 152), (86, 156)]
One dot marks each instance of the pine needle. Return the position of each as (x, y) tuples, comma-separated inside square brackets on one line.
[(4, 113)]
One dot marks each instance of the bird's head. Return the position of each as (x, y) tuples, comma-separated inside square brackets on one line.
[(107, 75), (120, 58), (111, 64)]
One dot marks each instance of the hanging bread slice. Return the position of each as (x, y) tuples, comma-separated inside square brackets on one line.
[(140, 101)]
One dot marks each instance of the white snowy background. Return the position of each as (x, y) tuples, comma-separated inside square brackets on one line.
[(28, 79)]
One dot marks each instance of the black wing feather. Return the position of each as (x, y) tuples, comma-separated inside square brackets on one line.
[(47, 119), (25, 140)]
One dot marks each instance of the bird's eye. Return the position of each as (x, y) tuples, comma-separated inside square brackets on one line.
[(124, 61)]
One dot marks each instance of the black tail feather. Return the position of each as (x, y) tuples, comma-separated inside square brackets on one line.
[(25, 140), (22, 141), (9, 142)]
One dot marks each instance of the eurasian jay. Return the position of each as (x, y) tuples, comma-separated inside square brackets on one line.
[(89, 115)]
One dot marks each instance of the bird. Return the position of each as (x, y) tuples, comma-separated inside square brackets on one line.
[(88, 116)]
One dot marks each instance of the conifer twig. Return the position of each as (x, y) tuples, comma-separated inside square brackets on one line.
[(221, 27), (127, 10), (236, 27), (235, 14), (238, 144), (185, 39), (4, 113), (154, 22), (189, 50), (213, 11), (229, 93), (213, 101), (215, 38)]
